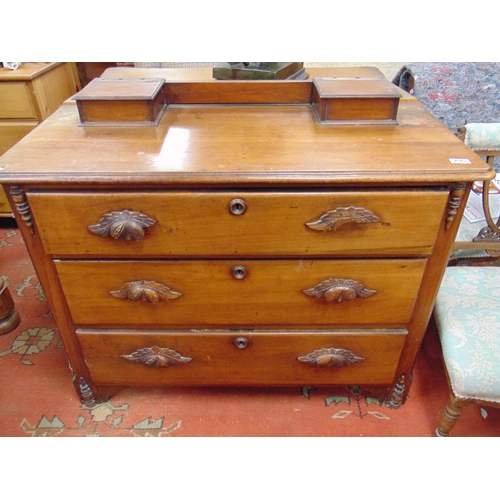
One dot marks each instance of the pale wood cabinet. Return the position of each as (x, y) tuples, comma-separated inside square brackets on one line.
[(28, 96), (241, 243)]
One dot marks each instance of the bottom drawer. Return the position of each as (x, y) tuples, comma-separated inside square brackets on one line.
[(241, 358)]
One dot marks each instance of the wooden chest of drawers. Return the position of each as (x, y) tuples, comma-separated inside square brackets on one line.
[(28, 96), (241, 244)]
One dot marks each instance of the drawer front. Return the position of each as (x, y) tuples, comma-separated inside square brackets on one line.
[(241, 293), (252, 224), (5, 208), (15, 101), (12, 132), (267, 358)]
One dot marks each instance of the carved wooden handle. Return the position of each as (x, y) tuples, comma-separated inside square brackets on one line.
[(332, 220), (338, 289), (151, 291), (330, 357), (157, 357), (122, 225)]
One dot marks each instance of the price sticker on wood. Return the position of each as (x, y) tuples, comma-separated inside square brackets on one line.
[(460, 161)]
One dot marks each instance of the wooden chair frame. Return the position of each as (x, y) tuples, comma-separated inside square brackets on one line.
[(488, 238), (453, 411)]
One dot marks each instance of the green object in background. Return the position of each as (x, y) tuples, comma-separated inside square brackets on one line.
[(260, 71)]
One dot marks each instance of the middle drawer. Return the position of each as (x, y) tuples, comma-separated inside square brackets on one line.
[(241, 293)]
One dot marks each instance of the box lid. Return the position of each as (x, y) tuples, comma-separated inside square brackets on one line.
[(121, 89), (354, 87)]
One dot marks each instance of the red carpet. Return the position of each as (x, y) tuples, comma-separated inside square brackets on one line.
[(37, 396)]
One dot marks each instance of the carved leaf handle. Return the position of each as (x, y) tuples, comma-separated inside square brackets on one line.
[(150, 291), (334, 219), (157, 357), (122, 225), (330, 357), (338, 289)]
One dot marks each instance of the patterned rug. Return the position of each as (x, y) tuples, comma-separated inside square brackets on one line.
[(456, 93), (37, 396)]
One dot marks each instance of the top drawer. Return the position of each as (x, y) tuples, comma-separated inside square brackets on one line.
[(251, 224), (15, 101)]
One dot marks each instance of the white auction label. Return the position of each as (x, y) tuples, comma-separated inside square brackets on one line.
[(462, 161)]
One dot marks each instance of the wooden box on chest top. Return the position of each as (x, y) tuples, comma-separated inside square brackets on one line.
[(355, 100), (121, 102)]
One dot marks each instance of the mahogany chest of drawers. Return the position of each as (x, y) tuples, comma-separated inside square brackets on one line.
[(241, 243)]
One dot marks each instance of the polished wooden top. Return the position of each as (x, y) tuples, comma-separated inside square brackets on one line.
[(244, 145)]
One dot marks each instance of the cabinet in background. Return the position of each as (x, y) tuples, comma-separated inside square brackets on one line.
[(28, 96)]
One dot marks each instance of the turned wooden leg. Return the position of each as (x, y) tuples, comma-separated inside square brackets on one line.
[(9, 318), (87, 396), (397, 395), (450, 416)]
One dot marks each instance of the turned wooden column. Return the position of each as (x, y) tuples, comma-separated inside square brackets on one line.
[(9, 318)]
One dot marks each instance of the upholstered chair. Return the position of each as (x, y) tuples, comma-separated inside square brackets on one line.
[(467, 314)]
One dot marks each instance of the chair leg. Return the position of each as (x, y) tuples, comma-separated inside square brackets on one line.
[(450, 416)]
